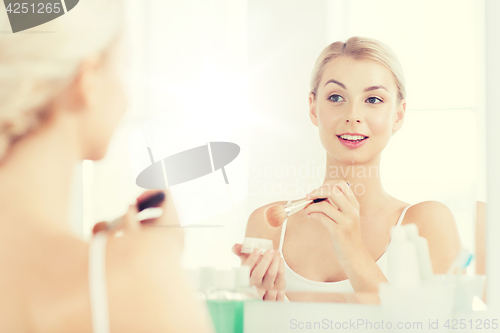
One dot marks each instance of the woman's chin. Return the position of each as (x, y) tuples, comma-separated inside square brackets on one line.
[(97, 154), (355, 156), (350, 158)]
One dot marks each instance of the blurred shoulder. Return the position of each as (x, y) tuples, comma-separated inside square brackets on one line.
[(430, 216), (154, 242), (146, 281), (429, 208), (436, 223), (141, 255), (257, 225)]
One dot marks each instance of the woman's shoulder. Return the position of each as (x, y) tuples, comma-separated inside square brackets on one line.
[(435, 221), (154, 243), (148, 290), (257, 225), (426, 213), (41, 278)]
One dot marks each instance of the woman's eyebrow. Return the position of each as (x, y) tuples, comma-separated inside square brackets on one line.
[(336, 82), (375, 88), (367, 89)]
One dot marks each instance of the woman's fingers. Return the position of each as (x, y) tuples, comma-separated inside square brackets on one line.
[(257, 274), (103, 225), (325, 209), (251, 260), (281, 295), (236, 249), (330, 225), (272, 272), (271, 295), (126, 223), (262, 292), (335, 192), (267, 272), (129, 223)]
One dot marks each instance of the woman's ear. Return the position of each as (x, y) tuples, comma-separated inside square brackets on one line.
[(94, 103), (312, 109), (399, 117), (78, 96)]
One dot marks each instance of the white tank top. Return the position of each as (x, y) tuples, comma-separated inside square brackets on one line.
[(97, 283), (296, 282)]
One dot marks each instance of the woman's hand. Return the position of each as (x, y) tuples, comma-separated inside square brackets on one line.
[(267, 272), (126, 224), (340, 216), (167, 222)]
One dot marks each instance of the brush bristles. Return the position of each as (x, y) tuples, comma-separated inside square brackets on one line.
[(275, 216)]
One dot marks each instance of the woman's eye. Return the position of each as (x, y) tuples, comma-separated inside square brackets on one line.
[(373, 99), (335, 98)]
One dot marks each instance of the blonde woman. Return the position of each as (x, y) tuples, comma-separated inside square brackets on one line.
[(60, 101), (358, 101)]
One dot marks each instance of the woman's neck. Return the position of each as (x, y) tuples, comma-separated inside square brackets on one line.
[(36, 178), (364, 179)]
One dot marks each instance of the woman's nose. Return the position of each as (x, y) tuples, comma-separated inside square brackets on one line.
[(352, 116), (356, 120)]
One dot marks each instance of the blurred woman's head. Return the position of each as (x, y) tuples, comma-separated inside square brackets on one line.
[(357, 87), (70, 67)]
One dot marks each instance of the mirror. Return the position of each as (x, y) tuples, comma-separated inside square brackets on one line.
[(437, 155)]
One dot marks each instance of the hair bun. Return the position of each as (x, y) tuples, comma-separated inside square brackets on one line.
[(36, 67)]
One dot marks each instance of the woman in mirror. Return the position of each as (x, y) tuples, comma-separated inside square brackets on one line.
[(61, 99), (357, 100)]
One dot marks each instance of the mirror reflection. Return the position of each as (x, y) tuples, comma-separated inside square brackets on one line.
[(357, 100), (366, 98)]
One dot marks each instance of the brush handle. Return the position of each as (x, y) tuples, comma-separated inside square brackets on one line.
[(145, 214), (296, 205), (151, 201), (153, 212)]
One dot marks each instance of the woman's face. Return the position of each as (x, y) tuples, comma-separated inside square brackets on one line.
[(356, 97)]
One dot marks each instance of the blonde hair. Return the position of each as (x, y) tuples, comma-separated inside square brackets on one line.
[(36, 65), (360, 48)]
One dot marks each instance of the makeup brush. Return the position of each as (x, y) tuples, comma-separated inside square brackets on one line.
[(276, 215), (146, 210)]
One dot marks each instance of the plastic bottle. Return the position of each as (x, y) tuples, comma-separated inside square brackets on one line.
[(225, 310), (226, 302), (206, 282), (403, 262), (423, 254)]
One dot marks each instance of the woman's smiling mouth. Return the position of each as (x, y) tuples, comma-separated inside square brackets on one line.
[(353, 140)]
